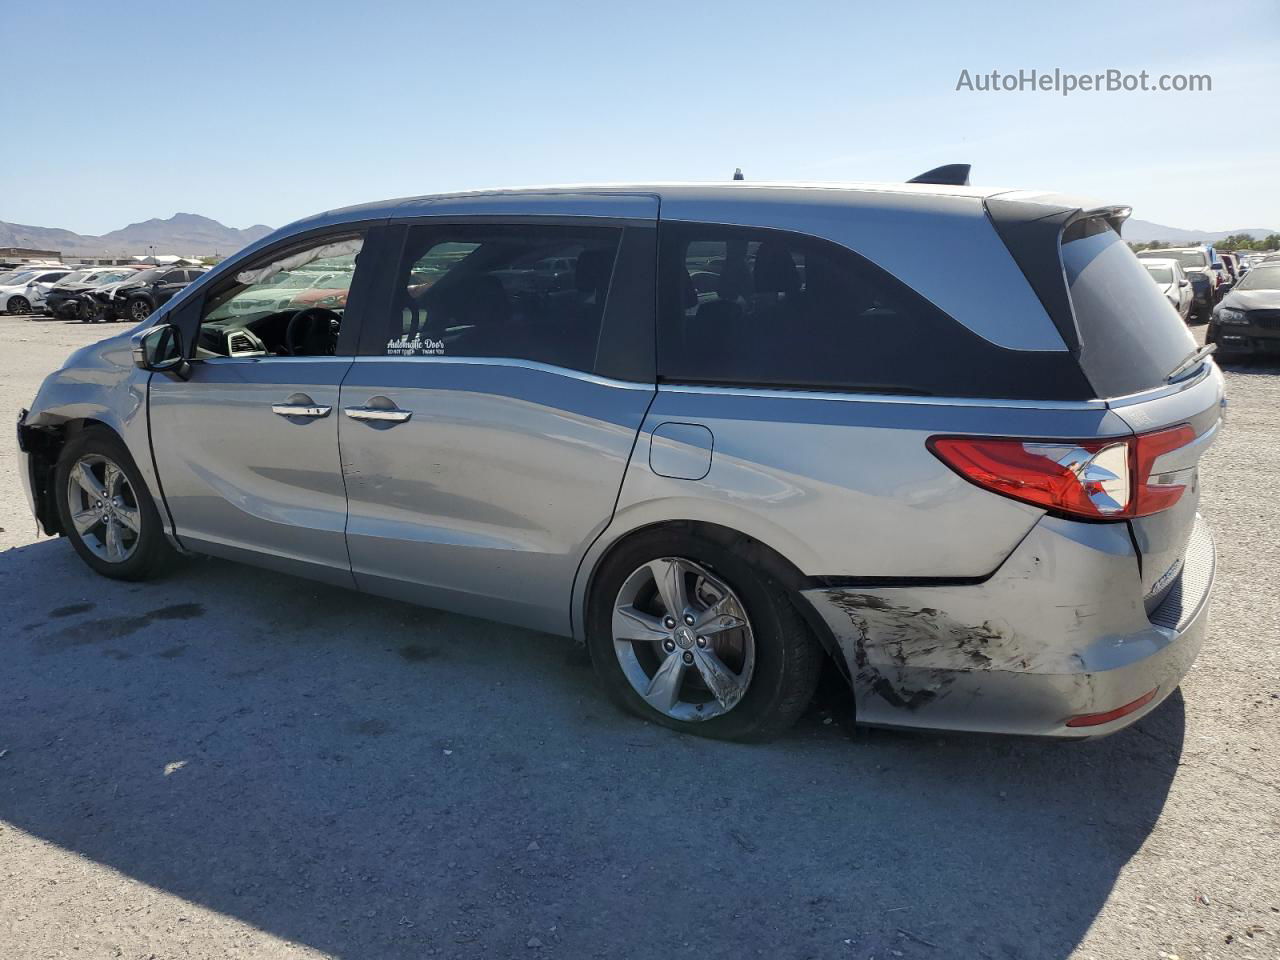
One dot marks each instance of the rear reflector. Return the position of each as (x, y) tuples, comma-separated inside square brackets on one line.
[(1097, 719), (1090, 479)]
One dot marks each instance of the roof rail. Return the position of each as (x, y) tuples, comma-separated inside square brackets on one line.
[(950, 174)]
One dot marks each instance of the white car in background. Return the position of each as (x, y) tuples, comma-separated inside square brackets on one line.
[(1173, 283), (25, 291)]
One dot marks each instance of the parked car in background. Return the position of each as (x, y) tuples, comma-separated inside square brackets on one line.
[(136, 298), (1234, 270), (1224, 279), (1247, 321), (683, 484), (1196, 263), (66, 300), (1173, 283), (25, 292)]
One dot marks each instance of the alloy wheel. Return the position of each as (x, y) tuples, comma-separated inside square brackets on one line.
[(19, 305), (139, 310), (683, 639), (104, 508)]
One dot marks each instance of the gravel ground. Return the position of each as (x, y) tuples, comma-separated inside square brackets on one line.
[(232, 763)]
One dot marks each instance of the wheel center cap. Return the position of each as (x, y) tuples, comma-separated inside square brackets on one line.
[(683, 637)]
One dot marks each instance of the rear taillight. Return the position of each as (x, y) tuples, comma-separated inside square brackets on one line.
[(1093, 479)]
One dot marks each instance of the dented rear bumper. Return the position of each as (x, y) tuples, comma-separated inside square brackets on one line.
[(1060, 630)]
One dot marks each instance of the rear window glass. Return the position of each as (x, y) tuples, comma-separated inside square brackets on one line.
[(1130, 336), (759, 307)]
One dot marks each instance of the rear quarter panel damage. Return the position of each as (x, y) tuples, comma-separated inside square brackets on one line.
[(1065, 606)]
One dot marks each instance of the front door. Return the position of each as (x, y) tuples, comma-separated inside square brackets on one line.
[(247, 448), (485, 436)]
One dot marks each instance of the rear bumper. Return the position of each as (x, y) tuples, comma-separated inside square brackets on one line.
[(1060, 631)]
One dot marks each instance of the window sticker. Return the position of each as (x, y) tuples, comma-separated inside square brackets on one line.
[(415, 346)]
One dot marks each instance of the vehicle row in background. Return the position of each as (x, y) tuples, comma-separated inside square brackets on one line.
[(90, 294)]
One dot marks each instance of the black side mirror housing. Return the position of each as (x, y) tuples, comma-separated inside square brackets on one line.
[(159, 350)]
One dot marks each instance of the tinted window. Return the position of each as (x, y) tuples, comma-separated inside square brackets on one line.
[(765, 307), (524, 292), (1130, 337)]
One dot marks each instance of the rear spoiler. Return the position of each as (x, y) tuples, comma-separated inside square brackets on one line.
[(1032, 230)]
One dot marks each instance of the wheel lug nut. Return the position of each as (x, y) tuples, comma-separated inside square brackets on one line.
[(668, 645), (688, 657), (688, 618), (702, 641), (669, 623)]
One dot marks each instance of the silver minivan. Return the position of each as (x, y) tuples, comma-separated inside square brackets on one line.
[(939, 439)]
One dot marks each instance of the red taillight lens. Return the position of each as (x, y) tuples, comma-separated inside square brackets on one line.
[(1156, 492), (1094, 479)]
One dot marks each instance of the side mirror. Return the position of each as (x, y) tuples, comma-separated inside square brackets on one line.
[(1184, 283), (159, 349)]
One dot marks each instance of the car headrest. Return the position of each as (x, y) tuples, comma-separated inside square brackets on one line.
[(592, 271), (775, 271)]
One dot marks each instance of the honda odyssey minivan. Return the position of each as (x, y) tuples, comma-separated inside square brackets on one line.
[(942, 439)]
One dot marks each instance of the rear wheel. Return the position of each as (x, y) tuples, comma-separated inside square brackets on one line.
[(686, 634), (106, 510), (19, 305)]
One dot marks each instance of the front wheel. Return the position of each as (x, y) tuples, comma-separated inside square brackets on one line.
[(19, 306), (685, 633), (105, 508), (139, 309)]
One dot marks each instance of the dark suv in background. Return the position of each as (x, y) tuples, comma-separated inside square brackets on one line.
[(137, 299)]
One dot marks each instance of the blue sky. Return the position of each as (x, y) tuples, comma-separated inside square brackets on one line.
[(268, 111)]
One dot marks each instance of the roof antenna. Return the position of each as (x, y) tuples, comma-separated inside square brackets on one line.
[(737, 174)]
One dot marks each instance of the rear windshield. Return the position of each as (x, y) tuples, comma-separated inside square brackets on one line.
[(1130, 336), (1160, 274)]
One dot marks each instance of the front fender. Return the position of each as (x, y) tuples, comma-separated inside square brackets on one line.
[(99, 383)]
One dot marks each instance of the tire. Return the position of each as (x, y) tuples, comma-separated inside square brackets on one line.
[(138, 309), (781, 672), (143, 555), (18, 306)]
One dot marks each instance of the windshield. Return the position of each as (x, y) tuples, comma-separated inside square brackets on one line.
[(1160, 274), (21, 277), (155, 273), (1261, 278), (72, 277)]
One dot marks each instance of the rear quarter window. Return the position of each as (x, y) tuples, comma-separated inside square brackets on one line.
[(761, 307), (1130, 335)]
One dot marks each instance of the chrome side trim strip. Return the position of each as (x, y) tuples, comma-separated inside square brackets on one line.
[(514, 362), (885, 398)]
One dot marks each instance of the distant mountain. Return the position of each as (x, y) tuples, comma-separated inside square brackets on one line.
[(185, 234), (1143, 231)]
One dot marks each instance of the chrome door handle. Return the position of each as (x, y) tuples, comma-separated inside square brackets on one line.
[(300, 410), (382, 414)]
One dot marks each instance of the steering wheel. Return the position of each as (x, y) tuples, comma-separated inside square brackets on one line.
[(312, 333)]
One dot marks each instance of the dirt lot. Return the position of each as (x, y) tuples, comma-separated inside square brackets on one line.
[(231, 763)]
